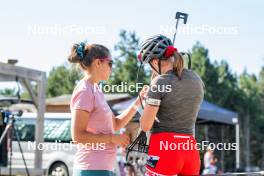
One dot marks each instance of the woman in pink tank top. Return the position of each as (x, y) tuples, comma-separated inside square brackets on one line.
[(93, 123)]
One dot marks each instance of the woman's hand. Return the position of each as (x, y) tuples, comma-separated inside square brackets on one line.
[(142, 94), (153, 75), (122, 120), (120, 139)]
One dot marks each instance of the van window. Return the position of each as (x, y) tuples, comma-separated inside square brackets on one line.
[(57, 130), (25, 129), (54, 130)]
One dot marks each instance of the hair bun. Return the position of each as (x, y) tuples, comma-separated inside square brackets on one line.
[(77, 53), (84, 54)]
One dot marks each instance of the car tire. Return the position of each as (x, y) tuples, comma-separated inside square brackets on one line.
[(58, 169)]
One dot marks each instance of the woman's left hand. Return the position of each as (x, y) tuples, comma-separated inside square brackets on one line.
[(142, 94)]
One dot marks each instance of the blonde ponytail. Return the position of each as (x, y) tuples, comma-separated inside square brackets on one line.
[(178, 64)]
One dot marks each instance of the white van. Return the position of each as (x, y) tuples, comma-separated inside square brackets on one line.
[(58, 152)]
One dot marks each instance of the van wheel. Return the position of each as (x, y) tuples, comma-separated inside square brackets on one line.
[(58, 169)]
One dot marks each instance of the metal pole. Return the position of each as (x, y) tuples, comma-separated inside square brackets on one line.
[(174, 37), (238, 147), (179, 15)]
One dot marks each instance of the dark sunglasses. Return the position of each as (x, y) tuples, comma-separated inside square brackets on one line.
[(110, 63)]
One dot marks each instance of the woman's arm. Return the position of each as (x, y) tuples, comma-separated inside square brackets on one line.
[(121, 120), (150, 110), (80, 135), (148, 117), (146, 120)]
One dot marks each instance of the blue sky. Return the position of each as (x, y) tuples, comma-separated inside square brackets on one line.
[(241, 44)]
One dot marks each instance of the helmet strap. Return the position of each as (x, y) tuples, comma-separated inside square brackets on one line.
[(153, 68), (159, 65)]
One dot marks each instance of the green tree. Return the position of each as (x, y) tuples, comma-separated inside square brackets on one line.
[(260, 120), (126, 64), (249, 111), (220, 82), (202, 65), (8, 92), (62, 80)]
